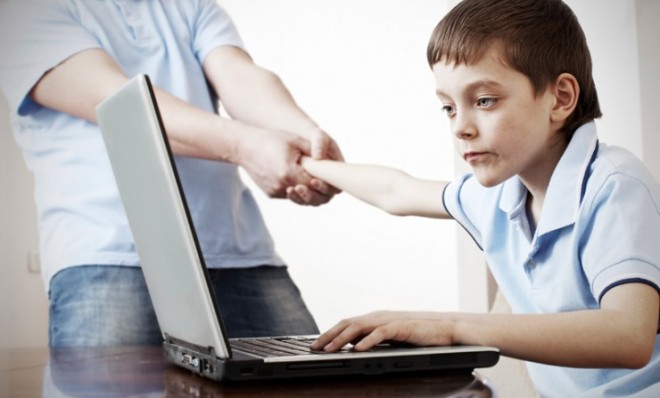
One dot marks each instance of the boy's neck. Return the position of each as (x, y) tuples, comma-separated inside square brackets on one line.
[(533, 208), (537, 181)]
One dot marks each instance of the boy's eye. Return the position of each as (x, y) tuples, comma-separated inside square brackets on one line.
[(448, 109), (486, 102)]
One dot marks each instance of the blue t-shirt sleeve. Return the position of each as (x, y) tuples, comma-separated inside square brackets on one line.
[(35, 36), (462, 201), (213, 28), (620, 241)]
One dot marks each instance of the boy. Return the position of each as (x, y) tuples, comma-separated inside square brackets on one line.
[(568, 225)]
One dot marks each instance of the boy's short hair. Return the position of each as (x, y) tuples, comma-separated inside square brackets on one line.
[(539, 38)]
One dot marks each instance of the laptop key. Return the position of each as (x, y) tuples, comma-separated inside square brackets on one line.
[(269, 347)]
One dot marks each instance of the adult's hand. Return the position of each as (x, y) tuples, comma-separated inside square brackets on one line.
[(271, 159), (317, 192)]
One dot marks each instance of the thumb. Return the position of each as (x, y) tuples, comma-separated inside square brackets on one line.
[(303, 145), (319, 143)]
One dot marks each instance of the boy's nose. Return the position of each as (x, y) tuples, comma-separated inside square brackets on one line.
[(462, 127)]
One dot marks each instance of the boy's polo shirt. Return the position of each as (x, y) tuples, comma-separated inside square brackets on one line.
[(599, 228), (81, 217)]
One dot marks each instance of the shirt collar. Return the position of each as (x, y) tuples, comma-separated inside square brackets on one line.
[(564, 193)]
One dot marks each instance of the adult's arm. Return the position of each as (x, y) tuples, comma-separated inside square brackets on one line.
[(85, 79), (258, 97)]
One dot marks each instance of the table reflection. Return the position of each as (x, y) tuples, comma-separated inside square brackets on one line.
[(104, 372), (143, 372)]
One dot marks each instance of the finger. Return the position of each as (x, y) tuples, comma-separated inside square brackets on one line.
[(323, 187), (293, 195), (377, 336), (310, 196), (302, 145), (325, 338), (347, 336), (350, 330), (333, 152), (320, 143)]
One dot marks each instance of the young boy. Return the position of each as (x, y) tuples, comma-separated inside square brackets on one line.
[(569, 226)]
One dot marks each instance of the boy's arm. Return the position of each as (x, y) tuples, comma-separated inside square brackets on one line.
[(621, 334), (389, 189)]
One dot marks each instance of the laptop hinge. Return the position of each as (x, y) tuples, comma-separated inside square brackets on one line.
[(193, 347)]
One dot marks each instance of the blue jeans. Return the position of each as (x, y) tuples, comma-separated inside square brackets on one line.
[(99, 305)]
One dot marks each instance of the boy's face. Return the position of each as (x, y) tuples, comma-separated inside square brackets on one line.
[(501, 128)]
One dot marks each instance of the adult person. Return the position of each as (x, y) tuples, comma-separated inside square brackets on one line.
[(58, 60)]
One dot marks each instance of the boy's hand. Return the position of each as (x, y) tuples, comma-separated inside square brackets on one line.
[(317, 192), (367, 331)]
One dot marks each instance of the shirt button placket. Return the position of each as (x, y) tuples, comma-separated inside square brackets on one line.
[(132, 18), (530, 265)]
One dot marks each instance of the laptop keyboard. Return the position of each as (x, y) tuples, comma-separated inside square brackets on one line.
[(275, 346)]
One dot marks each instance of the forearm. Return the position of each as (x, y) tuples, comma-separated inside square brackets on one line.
[(371, 184), (389, 189), (198, 133), (83, 81), (576, 339), (253, 94)]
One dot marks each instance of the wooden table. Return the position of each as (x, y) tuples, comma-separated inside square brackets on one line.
[(142, 371)]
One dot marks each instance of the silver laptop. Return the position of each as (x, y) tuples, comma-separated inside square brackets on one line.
[(177, 279)]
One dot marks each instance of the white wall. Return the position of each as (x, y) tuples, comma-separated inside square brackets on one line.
[(368, 80), (358, 67), (648, 33), (613, 43), (23, 306)]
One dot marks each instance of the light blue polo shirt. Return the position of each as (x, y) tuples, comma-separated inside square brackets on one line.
[(600, 227), (80, 215)]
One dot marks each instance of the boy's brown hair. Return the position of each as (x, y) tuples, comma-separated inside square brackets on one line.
[(539, 38)]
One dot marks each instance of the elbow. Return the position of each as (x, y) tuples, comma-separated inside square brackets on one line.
[(640, 359), (641, 347), (394, 209), (394, 212), (638, 356)]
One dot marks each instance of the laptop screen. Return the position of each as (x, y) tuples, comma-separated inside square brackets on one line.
[(158, 216)]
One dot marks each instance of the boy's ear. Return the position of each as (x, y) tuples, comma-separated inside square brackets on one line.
[(566, 94)]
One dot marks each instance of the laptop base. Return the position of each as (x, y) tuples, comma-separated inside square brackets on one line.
[(243, 367)]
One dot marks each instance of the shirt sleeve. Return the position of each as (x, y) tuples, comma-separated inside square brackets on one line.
[(35, 36), (461, 199), (213, 28), (621, 236)]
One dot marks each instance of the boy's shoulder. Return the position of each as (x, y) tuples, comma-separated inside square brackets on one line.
[(614, 166), (613, 160)]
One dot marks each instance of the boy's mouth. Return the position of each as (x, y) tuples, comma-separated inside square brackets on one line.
[(473, 156)]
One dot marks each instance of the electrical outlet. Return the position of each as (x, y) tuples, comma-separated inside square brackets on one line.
[(34, 262)]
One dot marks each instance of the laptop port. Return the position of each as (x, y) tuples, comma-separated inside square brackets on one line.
[(190, 361), (247, 371)]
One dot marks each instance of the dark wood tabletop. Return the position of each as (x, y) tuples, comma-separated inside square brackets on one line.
[(142, 371)]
